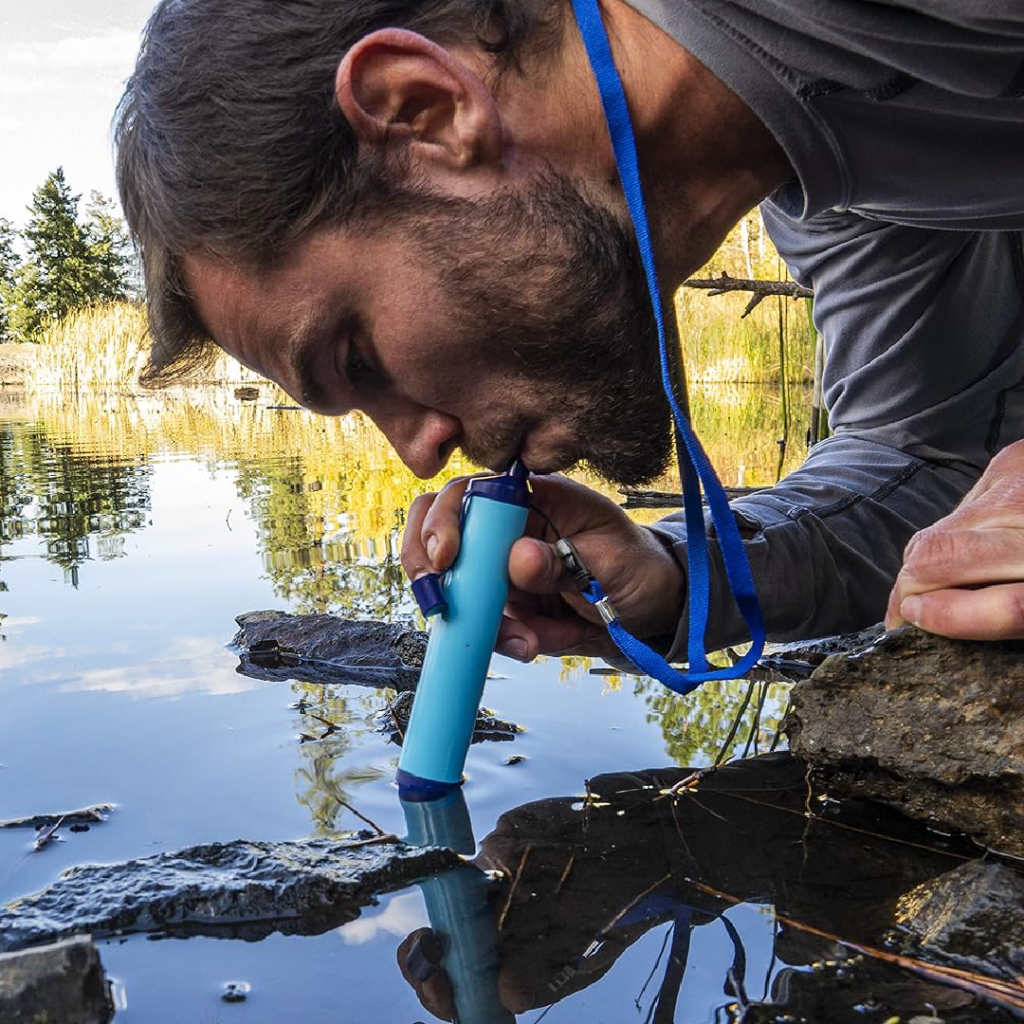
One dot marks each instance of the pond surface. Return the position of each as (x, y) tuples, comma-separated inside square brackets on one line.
[(132, 532)]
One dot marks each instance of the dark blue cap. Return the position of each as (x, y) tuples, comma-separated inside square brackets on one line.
[(429, 594), (418, 790), (511, 487)]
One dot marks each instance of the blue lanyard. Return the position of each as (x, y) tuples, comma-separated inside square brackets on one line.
[(695, 468)]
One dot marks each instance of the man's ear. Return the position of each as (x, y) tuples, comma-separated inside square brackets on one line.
[(398, 86)]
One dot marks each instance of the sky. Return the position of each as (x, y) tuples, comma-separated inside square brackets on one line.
[(63, 64)]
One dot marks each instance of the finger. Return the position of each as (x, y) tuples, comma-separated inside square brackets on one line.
[(991, 613), (415, 560), (939, 558), (893, 619), (535, 568), (431, 538), (524, 635), (440, 530)]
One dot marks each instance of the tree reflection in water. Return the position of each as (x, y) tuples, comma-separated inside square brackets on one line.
[(78, 502)]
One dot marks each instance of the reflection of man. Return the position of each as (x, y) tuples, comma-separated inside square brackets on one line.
[(412, 209), (584, 883)]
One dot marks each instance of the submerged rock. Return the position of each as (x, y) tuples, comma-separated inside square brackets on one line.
[(241, 889), (814, 652), (328, 649), (394, 720), (62, 983), (931, 726), (971, 917)]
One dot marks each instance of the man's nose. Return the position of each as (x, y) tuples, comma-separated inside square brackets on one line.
[(424, 438)]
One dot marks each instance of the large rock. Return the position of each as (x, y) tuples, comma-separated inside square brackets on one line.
[(328, 649), (931, 726), (971, 917), (59, 984), (239, 890)]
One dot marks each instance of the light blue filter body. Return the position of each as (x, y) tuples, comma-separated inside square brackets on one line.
[(461, 643), (459, 911)]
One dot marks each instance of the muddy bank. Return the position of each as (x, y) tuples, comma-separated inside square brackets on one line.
[(930, 726)]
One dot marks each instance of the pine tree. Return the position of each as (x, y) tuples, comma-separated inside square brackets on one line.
[(109, 251), (8, 269), (69, 263), (56, 275)]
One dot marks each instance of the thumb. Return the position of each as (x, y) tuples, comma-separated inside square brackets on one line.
[(535, 568)]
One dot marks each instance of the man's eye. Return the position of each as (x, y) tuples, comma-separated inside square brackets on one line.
[(356, 370)]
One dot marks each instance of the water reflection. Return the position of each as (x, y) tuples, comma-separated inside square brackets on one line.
[(327, 496), (745, 873), (81, 505)]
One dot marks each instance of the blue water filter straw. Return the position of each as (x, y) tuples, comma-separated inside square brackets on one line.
[(465, 609), (459, 910)]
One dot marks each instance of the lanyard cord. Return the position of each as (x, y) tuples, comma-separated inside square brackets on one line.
[(695, 468)]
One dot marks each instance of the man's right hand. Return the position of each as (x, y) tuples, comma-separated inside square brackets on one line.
[(545, 613)]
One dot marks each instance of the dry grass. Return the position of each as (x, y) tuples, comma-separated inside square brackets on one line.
[(106, 347)]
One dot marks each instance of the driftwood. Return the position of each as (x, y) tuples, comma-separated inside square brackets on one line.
[(94, 815), (759, 290)]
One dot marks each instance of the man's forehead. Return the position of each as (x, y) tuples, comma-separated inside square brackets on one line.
[(250, 313)]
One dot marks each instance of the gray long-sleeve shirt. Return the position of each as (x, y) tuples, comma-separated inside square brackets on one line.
[(904, 123)]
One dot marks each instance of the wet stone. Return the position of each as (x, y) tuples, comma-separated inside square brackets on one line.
[(393, 720), (814, 652), (325, 648), (235, 991), (240, 889), (971, 917), (62, 983), (928, 725)]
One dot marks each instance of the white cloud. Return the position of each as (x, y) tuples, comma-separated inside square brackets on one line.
[(404, 914), (191, 665), (113, 49)]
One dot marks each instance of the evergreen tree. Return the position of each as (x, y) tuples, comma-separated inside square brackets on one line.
[(55, 279), (8, 270), (69, 263), (109, 251)]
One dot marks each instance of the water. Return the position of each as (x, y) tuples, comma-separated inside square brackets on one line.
[(133, 533)]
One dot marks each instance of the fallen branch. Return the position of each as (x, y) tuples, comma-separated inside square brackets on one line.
[(94, 815), (759, 290)]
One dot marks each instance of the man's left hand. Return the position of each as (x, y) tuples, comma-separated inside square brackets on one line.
[(964, 576)]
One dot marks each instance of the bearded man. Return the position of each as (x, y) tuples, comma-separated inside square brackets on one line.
[(412, 209)]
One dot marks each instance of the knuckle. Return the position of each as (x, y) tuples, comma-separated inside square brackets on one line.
[(420, 506), (933, 552)]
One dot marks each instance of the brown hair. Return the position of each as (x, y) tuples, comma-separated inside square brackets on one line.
[(230, 141)]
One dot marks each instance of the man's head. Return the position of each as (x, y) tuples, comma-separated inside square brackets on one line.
[(333, 191)]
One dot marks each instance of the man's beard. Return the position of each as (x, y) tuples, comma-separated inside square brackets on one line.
[(548, 286)]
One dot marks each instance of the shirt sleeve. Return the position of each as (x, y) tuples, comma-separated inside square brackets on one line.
[(924, 383)]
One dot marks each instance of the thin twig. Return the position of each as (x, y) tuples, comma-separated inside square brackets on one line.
[(45, 836), (565, 873), (512, 890), (362, 817), (1008, 992), (818, 819), (632, 903)]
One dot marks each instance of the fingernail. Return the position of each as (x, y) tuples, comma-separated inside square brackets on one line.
[(431, 548), (910, 609), (515, 648)]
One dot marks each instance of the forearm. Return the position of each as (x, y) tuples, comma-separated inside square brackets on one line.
[(825, 543)]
